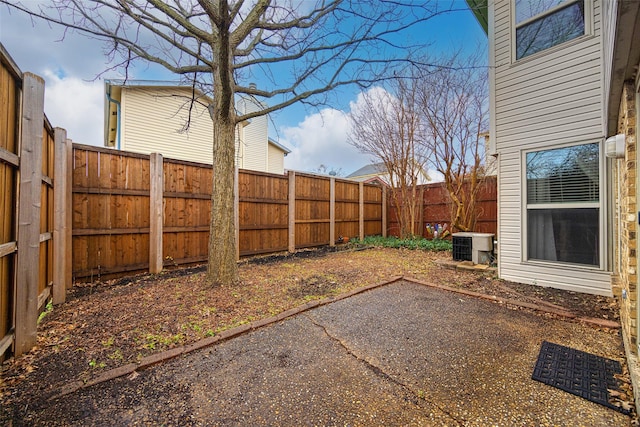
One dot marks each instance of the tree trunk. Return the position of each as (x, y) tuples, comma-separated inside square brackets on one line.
[(222, 268)]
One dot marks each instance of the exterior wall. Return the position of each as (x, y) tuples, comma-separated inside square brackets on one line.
[(152, 120), (255, 143), (155, 112), (549, 99), (275, 160), (608, 35), (625, 235)]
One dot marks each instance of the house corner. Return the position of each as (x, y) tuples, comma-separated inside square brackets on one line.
[(625, 279)]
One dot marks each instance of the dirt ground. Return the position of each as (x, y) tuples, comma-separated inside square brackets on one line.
[(110, 324)]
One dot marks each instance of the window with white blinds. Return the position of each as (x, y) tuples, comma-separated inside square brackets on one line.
[(564, 175), (563, 205)]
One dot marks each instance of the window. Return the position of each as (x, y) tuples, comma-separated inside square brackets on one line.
[(541, 24), (563, 205)]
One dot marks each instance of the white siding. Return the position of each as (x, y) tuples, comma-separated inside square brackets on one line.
[(255, 142), (609, 9), (152, 119), (276, 160), (549, 99)]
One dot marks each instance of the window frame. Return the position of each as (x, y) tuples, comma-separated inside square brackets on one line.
[(588, 28), (600, 205)]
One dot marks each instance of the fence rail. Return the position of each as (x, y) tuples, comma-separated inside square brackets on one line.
[(113, 211)]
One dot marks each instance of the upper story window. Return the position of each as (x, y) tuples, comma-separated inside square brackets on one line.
[(541, 24)]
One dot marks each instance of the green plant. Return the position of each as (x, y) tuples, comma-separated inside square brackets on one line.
[(109, 342), (116, 355), (194, 326), (94, 364), (48, 309), (153, 340), (419, 243)]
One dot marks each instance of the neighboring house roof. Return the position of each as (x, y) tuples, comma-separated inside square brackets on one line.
[(378, 172), (369, 170)]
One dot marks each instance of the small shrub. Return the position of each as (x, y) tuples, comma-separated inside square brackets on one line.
[(409, 243)]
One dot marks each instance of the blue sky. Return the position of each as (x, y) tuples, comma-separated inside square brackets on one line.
[(72, 65)]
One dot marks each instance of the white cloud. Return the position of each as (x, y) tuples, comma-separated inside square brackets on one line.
[(321, 139), (75, 105)]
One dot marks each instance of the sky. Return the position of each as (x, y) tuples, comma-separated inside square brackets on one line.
[(74, 68)]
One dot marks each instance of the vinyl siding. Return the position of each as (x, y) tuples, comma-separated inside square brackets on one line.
[(552, 98), (255, 143), (152, 120), (276, 160), (609, 9)]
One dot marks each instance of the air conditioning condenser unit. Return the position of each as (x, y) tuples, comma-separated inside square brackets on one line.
[(474, 247)]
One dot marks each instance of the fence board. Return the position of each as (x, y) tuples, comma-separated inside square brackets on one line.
[(187, 205), (9, 161), (263, 212), (347, 209), (110, 211), (312, 204), (46, 208)]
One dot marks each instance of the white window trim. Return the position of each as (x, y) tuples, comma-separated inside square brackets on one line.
[(601, 205), (588, 29)]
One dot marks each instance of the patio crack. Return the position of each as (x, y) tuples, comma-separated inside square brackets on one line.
[(378, 371)]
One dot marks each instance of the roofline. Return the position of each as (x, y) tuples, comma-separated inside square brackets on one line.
[(145, 83), (278, 145), (479, 8)]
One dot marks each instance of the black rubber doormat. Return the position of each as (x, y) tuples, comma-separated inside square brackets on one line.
[(574, 371)]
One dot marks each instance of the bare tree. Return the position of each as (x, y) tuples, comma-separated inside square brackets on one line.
[(453, 106), (295, 50), (387, 127), (328, 170)]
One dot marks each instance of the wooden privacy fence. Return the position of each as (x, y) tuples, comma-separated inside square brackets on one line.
[(29, 274), (436, 208), (135, 212)]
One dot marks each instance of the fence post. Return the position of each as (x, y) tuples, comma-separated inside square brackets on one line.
[(68, 278), (29, 205), (361, 215), (60, 190), (332, 211), (420, 206), (236, 210), (384, 211), (155, 212), (292, 211)]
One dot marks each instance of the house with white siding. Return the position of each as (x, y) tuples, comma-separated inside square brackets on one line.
[(547, 130), (565, 112), (151, 116)]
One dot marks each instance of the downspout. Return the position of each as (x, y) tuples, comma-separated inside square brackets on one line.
[(108, 94)]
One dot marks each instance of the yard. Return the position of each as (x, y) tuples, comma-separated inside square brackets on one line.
[(110, 324)]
